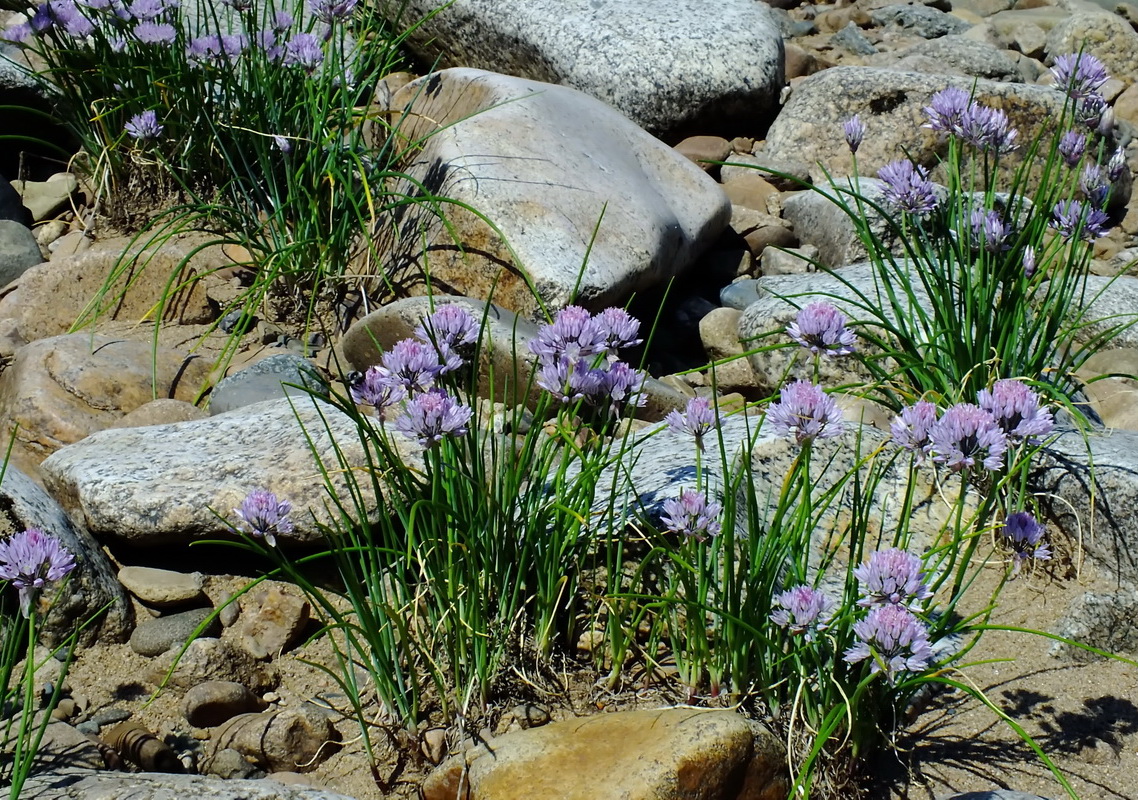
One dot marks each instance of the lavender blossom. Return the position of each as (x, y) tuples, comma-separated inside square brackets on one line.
[(1028, 261), (988, 129), (430, 416), (215, 48), (263, 516), (989, 231), (692, 515), (619, 328), (282, 143), (697, 420), (910, 429), (1079, 74), (1015, 407), (908, 188), (854, 130), (1094, 185), (1090, 111), (892, 577), (1071, 147), (144, 126), (1024, 533), (68, 16), (803, 611), (147, 10), (377, 388), (1072, 217), (17, 34), (412, 364), (821, 329), (155, 33), (331, 11), (966, 435), (42, 20), (621, 384), (268, 43), (1116, 165), (32, 560), (895, 639), (807, 412), (574, 334), (282, 21), (569, 381), (452, 331), (946, 110), (303, 50)]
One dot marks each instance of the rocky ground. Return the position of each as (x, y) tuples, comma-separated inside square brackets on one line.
[(135, 495)]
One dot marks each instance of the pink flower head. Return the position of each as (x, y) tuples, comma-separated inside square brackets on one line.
[(692, 515), (821, 329), (432, 415), (895, 639), (968, 435), (32, 560), (892, 577), (910, 429), (804, 611), (807, 412), (1015, 407), (262, 515)]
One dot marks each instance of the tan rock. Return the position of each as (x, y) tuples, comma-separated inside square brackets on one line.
[(54, 295), (61, 389), (288, 740), (272, 620), (162, 588), (752, 191), (160, 412), (664, 754), (703, 149)]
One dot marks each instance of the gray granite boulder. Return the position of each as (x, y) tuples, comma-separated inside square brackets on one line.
[(669, 67), (618, 211), (286, 375), (87, 785), (18, 251), (92, 585), (960, 55), (1109, 37), (162, 484)]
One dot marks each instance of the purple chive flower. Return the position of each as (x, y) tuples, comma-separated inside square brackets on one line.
[(821, 329), (854, 130), (988, 129), (804, 611), (946, 110), (621, 384), (895, 639), (17, 34), (1079, 74), (144, 126), (1071, 147), (569, 381), (910, 429), (31, 560), (1015, 407), (1023, 533), (68, 16), (42, 19), (266, 41), (908, 188), (155, 32), (692, 515), (1072, 217), (807, 412), (892, 577), (1090, 111), (966, 435), (574, 334), (619, 329), (412, 364), (333, 10), (430, 416), (262, 515), (1028, 261), (148, 10), (303, 50), (989, 232), (1094, 185), (282, 21), (1116, 165), (697, 419), (282, 143), (379, 389), (452, 331)]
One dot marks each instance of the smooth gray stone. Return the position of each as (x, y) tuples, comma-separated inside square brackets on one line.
[(268, 379), (926, 22), (87, 785), (852, 39), (18, 251), (154, 637)]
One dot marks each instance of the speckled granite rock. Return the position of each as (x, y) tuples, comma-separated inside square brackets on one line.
[(85, 785)]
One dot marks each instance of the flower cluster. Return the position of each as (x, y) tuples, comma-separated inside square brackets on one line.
[(821, 329), (408, 371), (32, 560), (892, 577), (908, 188), (895, 638), (805, 410), (953, 111), (693, 515), (263, 516), (966, 435), (804, 611), (697, 420), (577, 358), (1024, 534)]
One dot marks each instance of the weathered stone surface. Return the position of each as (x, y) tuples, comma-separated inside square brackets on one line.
[(616, 200), (63, 747), (46, 198), (153, 637), (52, 296), (160, 412), (1110, 306), (268, 379), (890, 104), (211, 703), (162, 588), (1107, 36), (24, 504), (1106, 620), (62, 389), (961, 55), (921, 20), (19, 251), (149, 486), (670, 68), (212, 660), (84, 785), (635, 755), (272, 620), (288, 740)]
